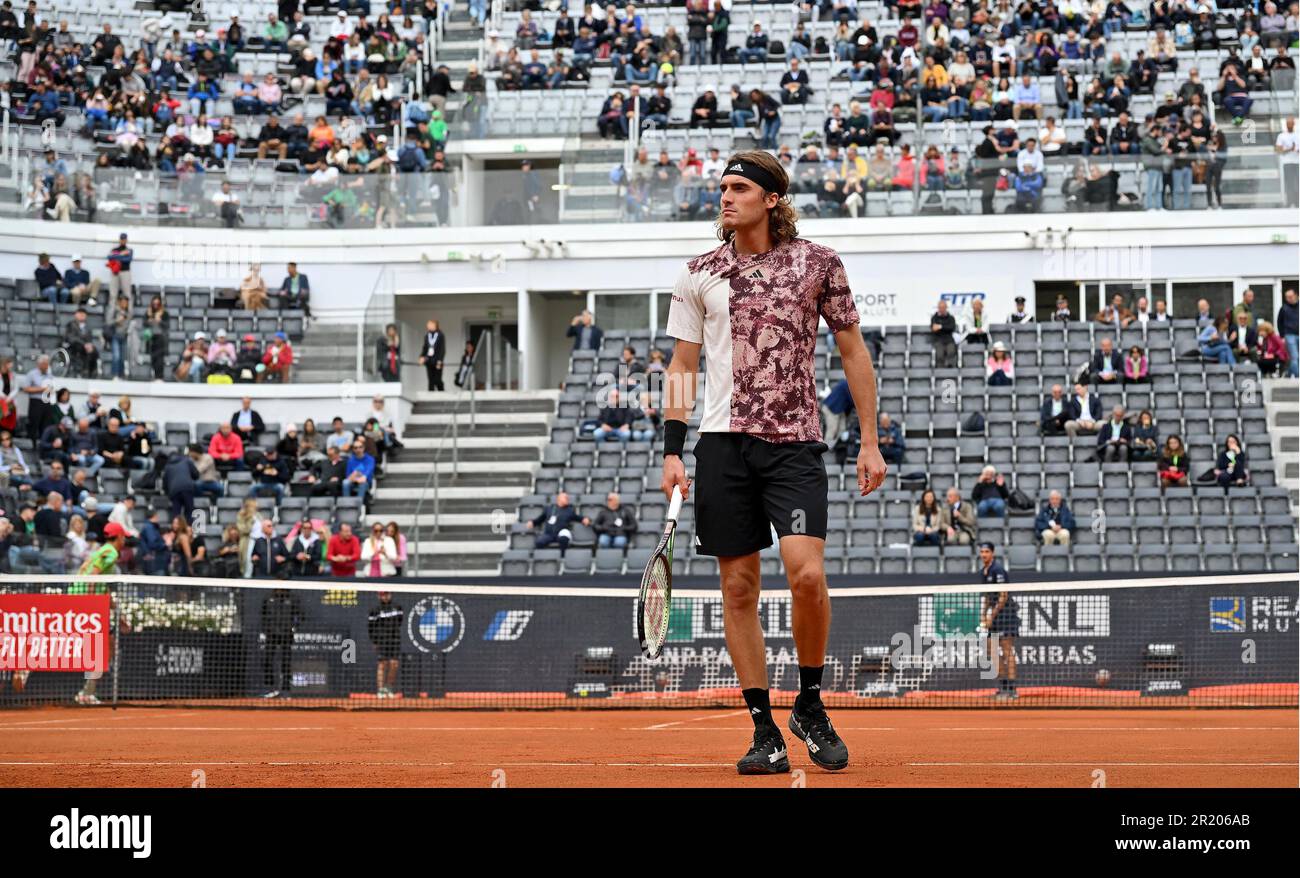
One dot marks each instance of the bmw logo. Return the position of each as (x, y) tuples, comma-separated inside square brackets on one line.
[(435, 624)]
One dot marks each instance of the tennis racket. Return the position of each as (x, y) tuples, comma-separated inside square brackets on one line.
[(657, 587)]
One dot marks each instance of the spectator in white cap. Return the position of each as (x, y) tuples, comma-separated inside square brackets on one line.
[(194, 361)]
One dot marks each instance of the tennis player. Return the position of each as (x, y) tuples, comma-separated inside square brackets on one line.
[(101, 562), (1001, 616), (751, 306)]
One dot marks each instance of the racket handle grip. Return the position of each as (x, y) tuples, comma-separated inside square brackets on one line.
[(675, 505)]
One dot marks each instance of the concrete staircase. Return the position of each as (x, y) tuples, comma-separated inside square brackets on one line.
[(1282, 405), (327, 352), (478, 497)]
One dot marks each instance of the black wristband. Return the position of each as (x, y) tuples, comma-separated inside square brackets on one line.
[(674, 438)]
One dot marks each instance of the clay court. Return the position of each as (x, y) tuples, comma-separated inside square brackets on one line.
[(152, 747)]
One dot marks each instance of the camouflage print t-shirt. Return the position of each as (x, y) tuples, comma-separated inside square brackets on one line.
[(756, 317)]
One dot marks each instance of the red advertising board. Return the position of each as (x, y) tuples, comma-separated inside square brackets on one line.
[(54, 632)]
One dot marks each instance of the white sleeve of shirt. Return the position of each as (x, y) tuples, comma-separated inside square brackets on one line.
[(686, 313)]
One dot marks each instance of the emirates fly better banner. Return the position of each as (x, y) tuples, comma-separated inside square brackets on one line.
[(53, 632)]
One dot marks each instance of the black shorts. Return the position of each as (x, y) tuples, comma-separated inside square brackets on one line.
[(388, 650), (744, 486), (1005, 625)]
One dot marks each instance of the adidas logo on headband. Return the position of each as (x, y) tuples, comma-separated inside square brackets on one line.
[(736, 167)]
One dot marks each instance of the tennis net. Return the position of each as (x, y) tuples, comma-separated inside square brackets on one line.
[(1226, 641)]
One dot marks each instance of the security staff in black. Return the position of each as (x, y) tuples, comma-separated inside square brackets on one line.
[(1000, 615), (385, 629), (432, 353)]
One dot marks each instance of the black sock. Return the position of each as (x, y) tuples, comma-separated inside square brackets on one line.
[(810, 687), (760, 708)]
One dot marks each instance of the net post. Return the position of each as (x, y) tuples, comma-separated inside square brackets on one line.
[(117, 642)]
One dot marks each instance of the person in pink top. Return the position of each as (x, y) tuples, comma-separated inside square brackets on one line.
[(999, 367), (1136, 368)]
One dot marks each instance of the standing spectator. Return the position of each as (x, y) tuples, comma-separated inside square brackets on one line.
[(928, 522), (960, 520), (554, 523), (1288, 326), (990, 494), (384, 627), (1288, 147), (999, 367), (157, 322), (378, 554), (1115, 438), (295, 290), (1085, 411), (432, 354), (585, 334), (890, 437), (180, 481), (119, 266), (388, 354), (281, 616), (1055, 522), (1231, 467), (37, 384), (615, 524), (360, 471), (343, 551), (1054, 412), (399, 540), (942, 328), (304, 551)]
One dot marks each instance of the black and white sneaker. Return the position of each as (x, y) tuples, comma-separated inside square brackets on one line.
[(767, 756), (825, 747)]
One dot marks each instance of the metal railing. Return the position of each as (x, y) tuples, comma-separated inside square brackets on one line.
[(434, 478)]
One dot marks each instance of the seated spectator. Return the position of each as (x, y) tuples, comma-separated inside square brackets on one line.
[(189, 552), (13, 465), (990, 494), (999, 368), (227, 449), (48, 523), (1115, 438), (269, 556), (1116, 315), (1055, 522), (890, 437), (616, 422), (359, 472), (1145, 439), (80, 342), (252, 290), (942, 327), (81, 288), (83, 448), (76, 544), (194, 360), (221, 355), (271, 474), (1271, 354), (340, 437), (343, 551), (615, 524), (278, 360), (553, 524), (24, 550), (1107, 366), (153, 554), (1242, 338), (928, 522), (1029, 185), (1213, 343), (247, 423), (248, 361), (327, 473), (1231, 467), (1085, 411), (836, 407), (1173, 466), (959, 519), (50, 280), (974, 325), (1136, 368), (1054, 413), (381, 416)]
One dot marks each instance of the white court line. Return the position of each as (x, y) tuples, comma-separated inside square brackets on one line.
[(1099, 762), (46, 722), (698, 719)]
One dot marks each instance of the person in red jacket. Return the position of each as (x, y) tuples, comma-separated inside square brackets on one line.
[(278, 359), (227, 449), (343, 551)]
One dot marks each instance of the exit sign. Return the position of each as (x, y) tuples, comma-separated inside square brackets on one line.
[(493, 313), (519, 147)]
